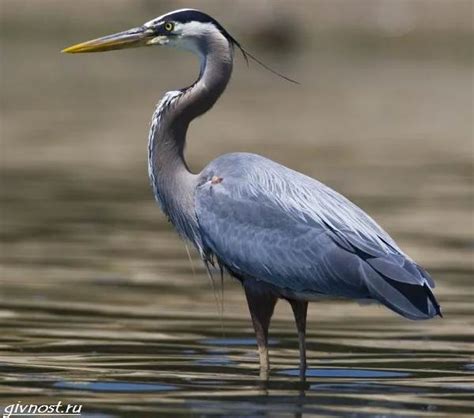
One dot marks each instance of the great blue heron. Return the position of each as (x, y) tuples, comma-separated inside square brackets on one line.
[(284, 235)]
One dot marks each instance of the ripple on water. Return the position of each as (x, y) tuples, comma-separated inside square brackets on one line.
[(104, 386), (235, 341), (345, 373)]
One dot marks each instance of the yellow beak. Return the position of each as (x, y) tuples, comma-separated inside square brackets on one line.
[(131, 38)]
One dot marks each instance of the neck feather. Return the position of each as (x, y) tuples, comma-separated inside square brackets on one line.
[(173, 184)]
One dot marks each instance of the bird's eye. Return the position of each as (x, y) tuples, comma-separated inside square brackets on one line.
[(169, 26)]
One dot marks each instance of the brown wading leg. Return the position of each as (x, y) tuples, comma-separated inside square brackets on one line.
[(261, 302), (300, 310)]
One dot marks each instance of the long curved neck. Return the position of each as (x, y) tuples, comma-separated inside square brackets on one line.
[(173, 184)]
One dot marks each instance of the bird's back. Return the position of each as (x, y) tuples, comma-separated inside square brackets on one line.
[(267, 222)]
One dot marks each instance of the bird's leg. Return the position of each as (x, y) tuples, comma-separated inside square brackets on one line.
[(300, 310), (261, 302)]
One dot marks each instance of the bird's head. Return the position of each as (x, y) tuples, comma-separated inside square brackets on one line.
[(184, 29), (187, 29)]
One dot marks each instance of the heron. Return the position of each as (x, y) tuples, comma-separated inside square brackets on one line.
[(282, 234)]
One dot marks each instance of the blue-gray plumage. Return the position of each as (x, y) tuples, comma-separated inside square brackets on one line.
[(281, 233), (274, 224)]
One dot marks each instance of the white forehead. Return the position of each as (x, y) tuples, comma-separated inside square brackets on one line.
[(163, 17), (195, 29)]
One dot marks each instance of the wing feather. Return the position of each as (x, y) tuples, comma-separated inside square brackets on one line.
[(271, 223)]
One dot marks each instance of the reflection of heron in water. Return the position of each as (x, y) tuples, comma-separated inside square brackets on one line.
[(281, 233)]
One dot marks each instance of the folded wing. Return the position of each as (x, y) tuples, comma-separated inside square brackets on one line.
[(271, 223)]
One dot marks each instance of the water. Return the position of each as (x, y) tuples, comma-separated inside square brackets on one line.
[(104, 310), (99, 303), (121, 359)]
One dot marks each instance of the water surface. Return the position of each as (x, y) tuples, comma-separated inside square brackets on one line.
[(99, 303)]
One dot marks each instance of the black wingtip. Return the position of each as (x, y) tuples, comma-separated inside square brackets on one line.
[(433, 300)]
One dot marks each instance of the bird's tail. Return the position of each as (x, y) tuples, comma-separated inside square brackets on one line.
[(413, 300)]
